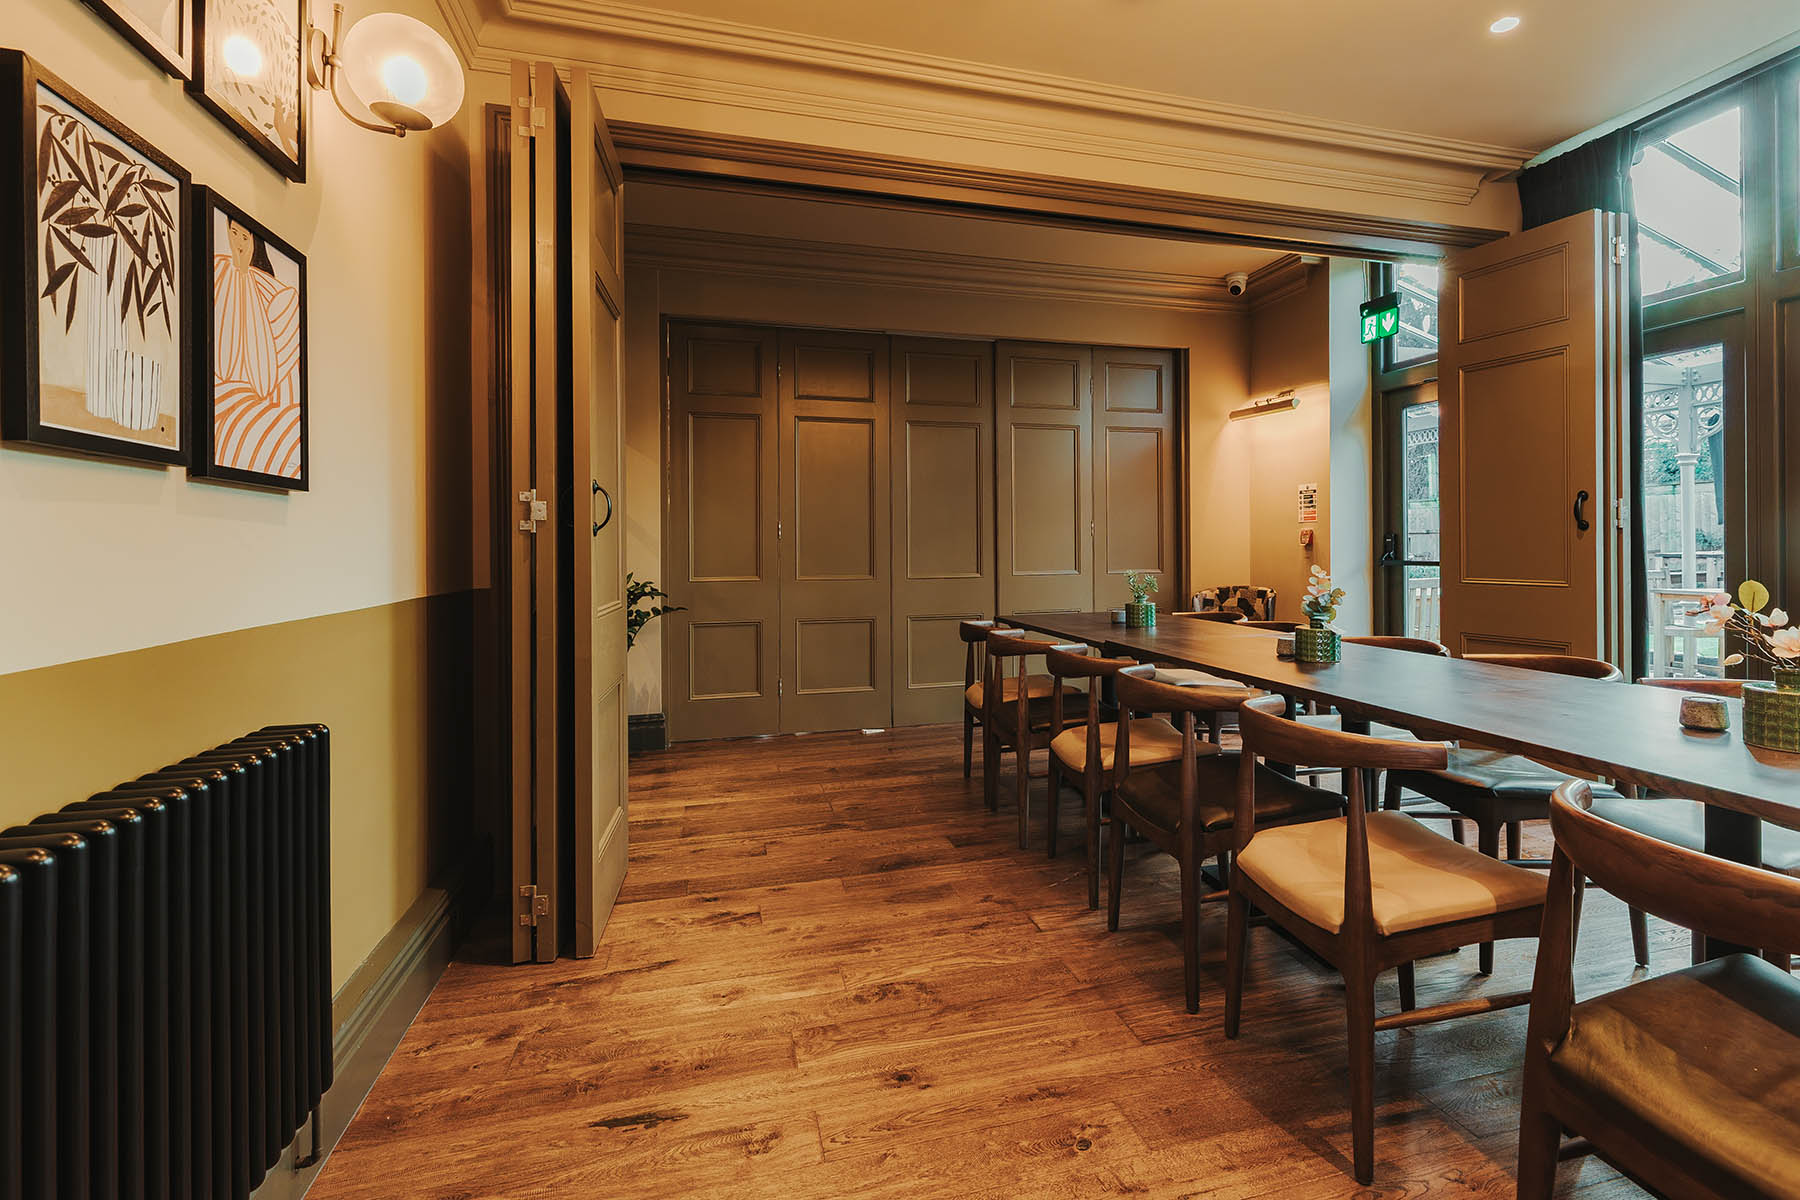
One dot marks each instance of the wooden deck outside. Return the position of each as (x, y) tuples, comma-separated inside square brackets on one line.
[(833, 974)]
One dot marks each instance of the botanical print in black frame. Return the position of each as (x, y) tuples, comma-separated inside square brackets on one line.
[(162, 29), (250, 412), (95, 347), (249, 71)]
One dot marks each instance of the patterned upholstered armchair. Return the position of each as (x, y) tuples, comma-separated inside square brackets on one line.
[(1254, 603)]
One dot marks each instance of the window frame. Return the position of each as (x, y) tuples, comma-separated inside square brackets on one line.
[(1675, 121), (1384, 278)]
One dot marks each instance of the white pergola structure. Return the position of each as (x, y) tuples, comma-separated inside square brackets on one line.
[(1683, 406)]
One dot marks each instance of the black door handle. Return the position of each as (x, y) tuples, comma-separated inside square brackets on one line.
[(1581, 522), (603, 522)]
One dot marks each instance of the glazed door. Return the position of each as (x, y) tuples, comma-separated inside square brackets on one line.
[(723, 650), (1531, 384), (597, 609), (836, 610), (1045, 465)]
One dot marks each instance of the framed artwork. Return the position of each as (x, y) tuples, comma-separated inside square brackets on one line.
[(249, 71), (162, 29), (95, 352), (250, 403)]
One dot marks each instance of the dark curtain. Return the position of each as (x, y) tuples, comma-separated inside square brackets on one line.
[(1598, 175)]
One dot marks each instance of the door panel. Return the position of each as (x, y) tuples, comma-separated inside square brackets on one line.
[(521, 558), (597, 616), (721, 557), (943, 511), (836, 609), (1045, 499), (1134, 473), (1528, 394)]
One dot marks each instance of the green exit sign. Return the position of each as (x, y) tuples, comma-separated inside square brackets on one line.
[(1381, 317)]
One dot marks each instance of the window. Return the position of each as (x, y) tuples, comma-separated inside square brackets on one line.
[(1417, 340), (1690, 202), (1683, 505)]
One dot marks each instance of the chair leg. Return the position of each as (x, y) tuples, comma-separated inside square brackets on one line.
[(1023, 758), (1514, 835), (1540, 1141), (1488, 835), (1640, 938), (1092, 814), (1115, 836), (1456, 828), (1391, 793), (1408, 1002), (1055, 802), (1190, 931), (1359, 1003), (968, 745), (990, 769), (1237, 931)]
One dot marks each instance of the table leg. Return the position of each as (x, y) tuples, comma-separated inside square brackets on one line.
[(1736, 836)]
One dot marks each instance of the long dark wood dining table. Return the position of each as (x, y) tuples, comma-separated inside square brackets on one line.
[(1627, 734)]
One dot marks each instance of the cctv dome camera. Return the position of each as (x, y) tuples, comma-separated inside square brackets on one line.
[(1237, 283)]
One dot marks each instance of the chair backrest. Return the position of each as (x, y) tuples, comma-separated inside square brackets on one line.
[(1411, 645), (1067, 664), (1732, 901), (1011, 645), (1558, 664), (974, 636), (1699, 687), (1138, 690), (1257, 603)]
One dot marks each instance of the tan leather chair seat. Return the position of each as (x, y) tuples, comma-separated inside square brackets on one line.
[(1156, 794), (1036, 687), (1706, 1058), (1153, 740), (1419, 877), (1683, 822), (1392, 733), (1506, 775)]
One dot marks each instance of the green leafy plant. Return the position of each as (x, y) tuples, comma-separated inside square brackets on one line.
[(1142, 585), (642, 606), (96, 201)]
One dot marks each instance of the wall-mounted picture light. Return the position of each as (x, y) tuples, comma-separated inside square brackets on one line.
[(1282, 401), (400, 70)]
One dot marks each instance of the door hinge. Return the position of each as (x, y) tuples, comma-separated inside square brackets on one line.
[(531, 117), (535, 905), (1621, 513), (535, 510), (1620, 250), (780, 688), (778, 531)]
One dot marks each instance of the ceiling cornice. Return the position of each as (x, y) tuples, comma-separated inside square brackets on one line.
[(1276, 281), (632, 50), (763, 256)]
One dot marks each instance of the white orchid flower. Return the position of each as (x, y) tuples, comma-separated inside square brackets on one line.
[(1785, 643)]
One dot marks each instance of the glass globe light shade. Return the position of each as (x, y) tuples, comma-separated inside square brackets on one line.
[(403, 70)]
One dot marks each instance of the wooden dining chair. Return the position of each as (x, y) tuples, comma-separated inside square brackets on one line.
[(1683, 822), (1085, 752), (1689, 1082), (974, 638), (1188, 808), (1014, 719), (1365, 891)]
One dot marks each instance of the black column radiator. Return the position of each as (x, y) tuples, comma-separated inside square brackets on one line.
[(165, 977)]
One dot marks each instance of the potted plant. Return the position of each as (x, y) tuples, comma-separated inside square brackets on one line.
[(1317, 641), (642, 607), (1771, 710), (1141, 612)]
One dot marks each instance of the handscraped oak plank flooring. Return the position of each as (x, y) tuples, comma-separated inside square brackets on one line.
[(831, 973)]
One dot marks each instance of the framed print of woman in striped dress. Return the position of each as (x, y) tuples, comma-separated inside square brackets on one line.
[(254, 410)]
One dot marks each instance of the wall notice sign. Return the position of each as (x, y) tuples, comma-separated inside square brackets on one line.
[(1309, 503)]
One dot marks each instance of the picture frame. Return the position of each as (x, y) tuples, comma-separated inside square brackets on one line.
[(250, 73), (251, 412), (162, 30), (94, 221)]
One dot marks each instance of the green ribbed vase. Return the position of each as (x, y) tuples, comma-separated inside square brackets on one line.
[(1140, 615), (1317, 644), (1772, 711)]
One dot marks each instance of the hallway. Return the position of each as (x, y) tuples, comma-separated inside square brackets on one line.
[(832, 974)]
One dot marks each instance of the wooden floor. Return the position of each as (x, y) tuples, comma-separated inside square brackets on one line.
[(833, 974)]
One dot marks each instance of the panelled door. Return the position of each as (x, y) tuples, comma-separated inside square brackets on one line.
[(724, 512), (942, 398), (597, 610), (1044, 473), (836, 610), (1531, 382), (1134, 473)]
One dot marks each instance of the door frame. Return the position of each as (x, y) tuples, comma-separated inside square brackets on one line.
[(1389, 486)]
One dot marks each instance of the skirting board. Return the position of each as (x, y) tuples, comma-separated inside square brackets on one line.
[(371, 1013)]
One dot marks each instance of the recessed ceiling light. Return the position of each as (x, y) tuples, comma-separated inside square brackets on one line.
[(1504, 25)]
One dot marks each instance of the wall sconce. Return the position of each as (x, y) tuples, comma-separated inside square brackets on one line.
[(401, 70), (1282, 401)]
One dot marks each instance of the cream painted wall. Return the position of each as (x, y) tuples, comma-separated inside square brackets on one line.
[(1217, 382), (385, 227)]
